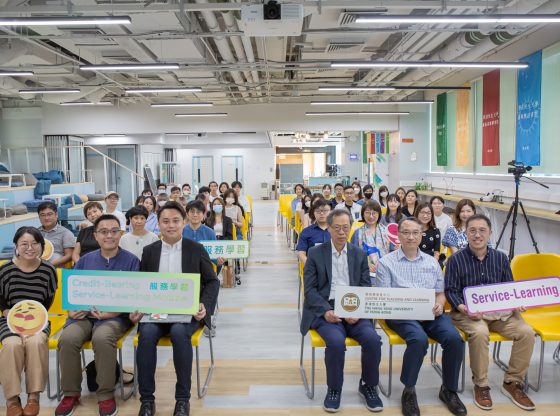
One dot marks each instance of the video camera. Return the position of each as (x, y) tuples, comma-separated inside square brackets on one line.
[(518, 168)]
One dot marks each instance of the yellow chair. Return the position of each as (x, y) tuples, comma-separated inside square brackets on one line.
[(245, 234), (195, 341), (300, 289), (545, 320), (234, 231), (395, 339), (355, 226), (383, 210), (316, 342)]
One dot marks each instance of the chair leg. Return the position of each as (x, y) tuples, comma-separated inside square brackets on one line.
[(309, 387), (202, 391), (556, 354), (83, 359), (124, 396), (496, 356), (299, 300), (58, 382), (387, 392), (135, 382), (433, 359), (463, 366), (540, 371)]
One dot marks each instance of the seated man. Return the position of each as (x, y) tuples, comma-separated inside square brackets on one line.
[(336, 263), (242, 199), (195, 230), (478, 264), (410, 267), (316, 233), (62, 238), (174, 254), (349, 205), (102, 328)]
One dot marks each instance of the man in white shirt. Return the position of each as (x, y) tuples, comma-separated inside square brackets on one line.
[(111, 202), (242, 199), (331, 264), (352, 207)]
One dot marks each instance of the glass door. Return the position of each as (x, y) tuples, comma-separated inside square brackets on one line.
[(232, 169), (203, 170)]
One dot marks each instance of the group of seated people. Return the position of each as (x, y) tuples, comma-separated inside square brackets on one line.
[(331, 258), (150, 237)]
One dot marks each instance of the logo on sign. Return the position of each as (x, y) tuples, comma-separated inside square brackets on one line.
[(350, 302)]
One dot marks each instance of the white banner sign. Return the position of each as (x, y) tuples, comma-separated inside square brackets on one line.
[(384, 303), (512, 295), (226, 249)]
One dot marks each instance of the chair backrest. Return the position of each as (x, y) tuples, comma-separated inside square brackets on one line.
[(250, 199), (355, 226), (56, 307), (532, 266), (234, 232)]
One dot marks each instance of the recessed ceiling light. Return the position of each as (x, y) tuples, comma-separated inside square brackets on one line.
[(367, 102), (181, 105), (394, 88), (16, 73), (114, 135), (88, 103), (129, 67), (50, 91), (202, 115), (461, 19), (156, 90), (358, 113), (357, 88), (427, 64), (64, 21)]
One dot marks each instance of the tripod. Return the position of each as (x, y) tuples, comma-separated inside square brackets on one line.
[(513, 211)]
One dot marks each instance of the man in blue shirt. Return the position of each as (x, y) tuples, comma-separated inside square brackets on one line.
[(102, 328), (408, 267), (477, 264), (316, 233), (195, 230)]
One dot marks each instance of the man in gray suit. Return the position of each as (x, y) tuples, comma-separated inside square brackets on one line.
[(336, 263)]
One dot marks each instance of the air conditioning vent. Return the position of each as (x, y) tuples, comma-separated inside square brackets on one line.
[(349, 17), (335, 46)]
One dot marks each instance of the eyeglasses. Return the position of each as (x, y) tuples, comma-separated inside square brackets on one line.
[(25, 246), (475, 231), (322, 211), (338, 228), (371, 213), (47, 214), (414, 234), (105, 233)]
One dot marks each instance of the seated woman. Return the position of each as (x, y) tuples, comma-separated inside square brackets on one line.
[(410, 203), (431, 236), (368, 193), (138, 237), (232, 208), (327, 191), (456, 237), (308, 218), (372, 236), (393, 213), (224, 186), (151, 222), (218, 221), (86, 241), (303, 210), (383, 194), (401, 192), (443, 221), (139, 200), (25, 277), (358, 196)]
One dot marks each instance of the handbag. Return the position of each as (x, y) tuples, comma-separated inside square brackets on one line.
[(227, 276)]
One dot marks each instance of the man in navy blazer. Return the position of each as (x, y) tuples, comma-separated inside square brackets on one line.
[(336, 263)]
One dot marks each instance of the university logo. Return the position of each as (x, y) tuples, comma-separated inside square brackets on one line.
[(350, 302)]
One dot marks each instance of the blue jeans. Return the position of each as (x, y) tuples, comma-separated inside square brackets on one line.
[(416, 334), (335, 335), (146, 357)]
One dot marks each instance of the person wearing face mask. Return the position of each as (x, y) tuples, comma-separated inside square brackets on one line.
[(368, 194), (162, 199), (33, 279), (232, 209), (187, 192), (383, 194), (304, 211), (358, 196), (162, 189), (219, 222)]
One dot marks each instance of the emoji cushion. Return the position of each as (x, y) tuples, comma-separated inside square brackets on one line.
[(27, 318), (392, 231), (49, 250)]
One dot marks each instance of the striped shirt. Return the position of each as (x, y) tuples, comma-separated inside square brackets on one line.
[(465, 269), (396, 270), (16, 285)]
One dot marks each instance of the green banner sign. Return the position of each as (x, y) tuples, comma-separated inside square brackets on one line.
[(441, 130)]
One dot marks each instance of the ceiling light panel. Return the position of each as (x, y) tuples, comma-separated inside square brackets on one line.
[(368, 102), (65, 21), (202, 115), (460, 19), (129, 67), (428, 64), (358, 113), (160, 90), (16, 73), (50, 91), (162, 105)]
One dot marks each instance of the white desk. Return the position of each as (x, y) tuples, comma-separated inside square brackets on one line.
[(58, 198), (10, 177)]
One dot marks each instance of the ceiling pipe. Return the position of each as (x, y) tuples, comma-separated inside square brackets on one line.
[(223, 46)]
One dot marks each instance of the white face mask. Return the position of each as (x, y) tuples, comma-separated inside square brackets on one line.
[(357, 191), (161, 191), (230, 201), (384, 194), (218, 209), (186, 193), (307, 204), (162, 203)]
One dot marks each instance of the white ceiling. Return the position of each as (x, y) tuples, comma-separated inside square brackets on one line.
[(237, 70)]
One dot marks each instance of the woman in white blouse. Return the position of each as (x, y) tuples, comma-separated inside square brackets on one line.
[(139, 237)]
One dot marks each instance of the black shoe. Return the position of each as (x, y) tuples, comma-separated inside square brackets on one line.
[(409, 402), (182, 408), (147, 409), (453, 402)]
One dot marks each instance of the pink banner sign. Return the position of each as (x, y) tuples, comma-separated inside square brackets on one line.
[(512, 295)]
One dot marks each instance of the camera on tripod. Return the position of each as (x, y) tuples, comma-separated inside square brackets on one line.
[(518, 168)]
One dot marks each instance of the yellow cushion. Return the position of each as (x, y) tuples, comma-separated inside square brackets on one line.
[(318, 342), (547, 325), (166, 341)]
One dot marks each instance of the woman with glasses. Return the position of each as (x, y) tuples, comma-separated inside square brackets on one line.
[(431, 236), (372, 236), (25, 277)]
